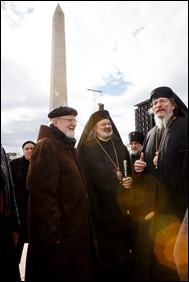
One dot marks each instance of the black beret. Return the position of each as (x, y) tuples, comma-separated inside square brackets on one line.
[(162, 91), (136, 136), (62, 111), (28, 142)]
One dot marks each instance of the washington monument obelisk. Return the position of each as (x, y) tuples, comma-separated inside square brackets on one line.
[(58, 88)]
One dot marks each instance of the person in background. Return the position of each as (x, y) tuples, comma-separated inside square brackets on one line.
[(136, 139), (107, 167), (181, 249), (19, 169), (61, 242), (9, 224), (163, 166)]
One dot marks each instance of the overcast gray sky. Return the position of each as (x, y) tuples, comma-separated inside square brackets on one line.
[(124, 49)]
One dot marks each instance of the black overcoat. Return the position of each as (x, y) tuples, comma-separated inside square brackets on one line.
[(9, 223), (19, 169)]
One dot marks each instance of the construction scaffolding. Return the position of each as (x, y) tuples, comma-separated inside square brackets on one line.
[(95, 98)]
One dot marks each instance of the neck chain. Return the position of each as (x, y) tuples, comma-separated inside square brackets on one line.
[(159, 147), (118, 172)]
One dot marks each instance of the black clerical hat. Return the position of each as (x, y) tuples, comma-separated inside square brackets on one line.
[(167, 92), (88, 133), (136, 136), (160, 92), (99, 115)]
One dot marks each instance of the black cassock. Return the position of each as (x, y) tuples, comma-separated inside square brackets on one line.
[(110, 205), (163, 204)]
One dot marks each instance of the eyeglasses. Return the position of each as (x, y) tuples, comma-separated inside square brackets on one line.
[(160, 101), (70, 120), (29, 148)]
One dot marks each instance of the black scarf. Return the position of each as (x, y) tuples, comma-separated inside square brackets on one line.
[(70, 142)]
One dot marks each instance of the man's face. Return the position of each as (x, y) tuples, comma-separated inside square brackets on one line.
[(66, 124), (162, 107), (103, 129), (135, 147), (27, 151)]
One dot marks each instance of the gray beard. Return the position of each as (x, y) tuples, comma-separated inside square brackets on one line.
[(136, 152), (162, 122)]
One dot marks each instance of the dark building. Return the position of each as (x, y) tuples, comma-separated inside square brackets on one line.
[(143, 121)]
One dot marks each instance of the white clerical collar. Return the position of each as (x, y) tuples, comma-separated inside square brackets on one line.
[(104, 140)]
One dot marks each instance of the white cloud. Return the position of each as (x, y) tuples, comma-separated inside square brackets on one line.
[(145, 42)]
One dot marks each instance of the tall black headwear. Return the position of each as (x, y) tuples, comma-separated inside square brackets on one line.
[(136, 136), (167, 92), (88, 133)]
